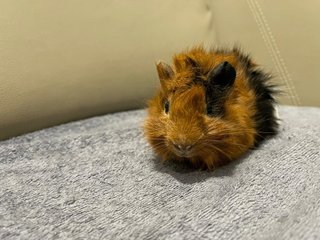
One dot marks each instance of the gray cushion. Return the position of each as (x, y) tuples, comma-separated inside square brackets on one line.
[(99, 179)]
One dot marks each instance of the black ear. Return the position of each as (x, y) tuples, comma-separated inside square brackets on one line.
[(222, 75)]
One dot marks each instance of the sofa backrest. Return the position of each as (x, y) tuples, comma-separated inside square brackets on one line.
[(65, 60)]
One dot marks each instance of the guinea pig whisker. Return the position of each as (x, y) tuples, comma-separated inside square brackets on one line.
[(162, 143), (231, 132), (159, 144), (210, 140), (157, 138), (162, 149), (237, 145), (206, 146), (198, 139)]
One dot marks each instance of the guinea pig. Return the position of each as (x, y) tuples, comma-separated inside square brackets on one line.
[(211, 107)]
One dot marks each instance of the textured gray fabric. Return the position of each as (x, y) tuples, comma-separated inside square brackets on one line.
[(98, 179)]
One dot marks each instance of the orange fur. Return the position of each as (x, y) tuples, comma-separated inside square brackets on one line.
[(215, 140)]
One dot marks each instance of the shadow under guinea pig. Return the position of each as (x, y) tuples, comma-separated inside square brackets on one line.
[(186, 173)]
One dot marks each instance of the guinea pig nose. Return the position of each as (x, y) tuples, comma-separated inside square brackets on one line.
[(182, 147)]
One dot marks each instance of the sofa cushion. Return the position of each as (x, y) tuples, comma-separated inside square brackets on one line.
[(99, 179)]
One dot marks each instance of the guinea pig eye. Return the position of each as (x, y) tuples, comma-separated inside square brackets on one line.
[(166, 106)]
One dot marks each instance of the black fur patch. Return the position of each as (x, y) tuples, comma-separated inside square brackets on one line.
[(265, 119), (215, 98), (220, 81)]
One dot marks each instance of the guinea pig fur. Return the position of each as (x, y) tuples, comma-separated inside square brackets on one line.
[(211, 108)]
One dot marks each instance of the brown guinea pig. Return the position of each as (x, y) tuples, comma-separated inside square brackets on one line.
[(211, 108)]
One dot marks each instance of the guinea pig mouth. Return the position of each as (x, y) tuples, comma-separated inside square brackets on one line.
[(183, 154)]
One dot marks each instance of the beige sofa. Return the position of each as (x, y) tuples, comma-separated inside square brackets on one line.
[(98, 178), (66, 60)]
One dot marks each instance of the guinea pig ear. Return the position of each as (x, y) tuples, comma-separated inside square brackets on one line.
[(165, 72), (222, 75), (191, 62)]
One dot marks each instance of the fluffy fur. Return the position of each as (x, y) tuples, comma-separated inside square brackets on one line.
[(178, 116)]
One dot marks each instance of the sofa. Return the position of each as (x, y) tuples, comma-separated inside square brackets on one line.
[(74, 164)]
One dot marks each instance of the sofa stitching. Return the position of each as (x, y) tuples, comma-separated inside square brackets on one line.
[(273, 49)]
